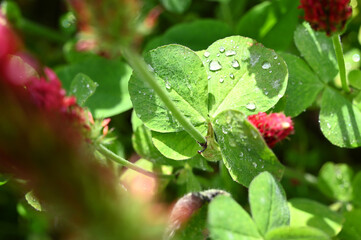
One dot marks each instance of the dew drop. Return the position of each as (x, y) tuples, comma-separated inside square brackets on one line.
[(87, 86), (206, 54), (328, 125), (224, 130), (231, 76), (167, 85), (356, 57), (270, 71), (230, 53), (221, 80), (254, 165), (251, 106), (218, 54), (266, 65), (235, 63), (221, 49), (241, 154), (214, 65), (275, 57), (209, 77)]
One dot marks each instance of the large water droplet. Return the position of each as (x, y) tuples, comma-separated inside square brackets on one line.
[(231, 76), (221, 49), (215, 65), (266, 65), (221, 80), (356, 57), (235, 63), (230, 53), (241, 154), (206, 54), (251, 106)]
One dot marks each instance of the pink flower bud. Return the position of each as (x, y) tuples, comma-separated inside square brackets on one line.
[(273, 127)]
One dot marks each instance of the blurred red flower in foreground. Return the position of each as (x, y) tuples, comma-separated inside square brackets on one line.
[(326, 15), (273, 127)]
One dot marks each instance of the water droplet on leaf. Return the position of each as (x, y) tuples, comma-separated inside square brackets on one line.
[(235, 63), (221, 49), (215, 65), (266, 65), (206, 54), (230, 53), (251, 106)]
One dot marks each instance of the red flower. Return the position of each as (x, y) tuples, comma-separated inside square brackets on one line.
[(273, 127), (326, 15)]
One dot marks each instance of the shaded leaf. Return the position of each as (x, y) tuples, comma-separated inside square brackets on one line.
[(245, 153), (176, 6), (296, 233), (340, 120), (356, 190), (318, 51)]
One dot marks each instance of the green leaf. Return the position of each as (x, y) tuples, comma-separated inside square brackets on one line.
[(111, 96), (211, 30), (3, 179), (244, 151), (268, 203), (243, 76), (176, 6), (199, 162), (296, 233), (143, 145), (182, 73), (82, 87), (351, 228), (340, 120), (306, 212), (269, 21), (356, 193), (227, 220), (354, 78), (334, 180), (318, 51), (196, 227), (178, 145), (187, 177), (33, 201), (303, 86)]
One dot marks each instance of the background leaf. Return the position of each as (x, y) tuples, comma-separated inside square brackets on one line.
[(268, 203), (245, 154), (82, 87), (306, 212), (302, 89), (111, 96), (351, 228), (243, 76), (176, 6), (270, 20), (334, 180), (356, 190), (210, 29), (340, 120), (318, 51), (182, 73), (296, 233), (227, 220)]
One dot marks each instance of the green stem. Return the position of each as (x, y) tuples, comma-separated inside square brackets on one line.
[(42, 31), (112, 156), (340, 60), (303, 177), (141, 68)]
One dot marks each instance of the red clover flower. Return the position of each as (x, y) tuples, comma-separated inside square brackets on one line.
[(326, 15), (273, 127)]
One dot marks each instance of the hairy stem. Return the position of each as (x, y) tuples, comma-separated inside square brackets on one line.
[(141, 68), (115, 158), (341, 62)]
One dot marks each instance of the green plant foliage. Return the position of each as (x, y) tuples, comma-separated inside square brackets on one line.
[(111, 96), (318, 51), (340, 120), (335, 181), (211, 30), (189, 180), (33, 201), (351, 228), (354, 78), (302, 89), (268, 203), (82, 87), (176, 6), (227, 220), (356, 190), (245, 154), (182, 73), (270, 20), (306, 212), (296, 233), (243, 76)]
